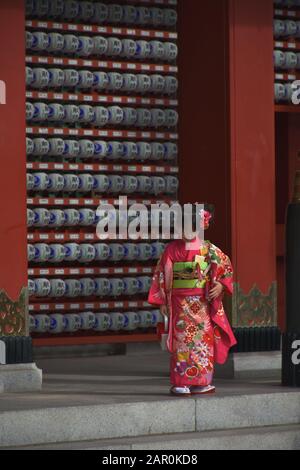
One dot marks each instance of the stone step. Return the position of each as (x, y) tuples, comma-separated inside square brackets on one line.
[(259, 438), (24, 427)]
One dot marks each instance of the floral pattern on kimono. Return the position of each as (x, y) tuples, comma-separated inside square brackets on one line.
[(192, 362)]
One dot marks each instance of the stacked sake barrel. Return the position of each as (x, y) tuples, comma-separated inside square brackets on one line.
[(102, 115)]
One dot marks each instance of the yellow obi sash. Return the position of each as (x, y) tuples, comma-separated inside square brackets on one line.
[(185, 275)]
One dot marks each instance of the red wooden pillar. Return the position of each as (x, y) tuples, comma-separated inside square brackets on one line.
[(227, 149), (13, 244), (252, 138)]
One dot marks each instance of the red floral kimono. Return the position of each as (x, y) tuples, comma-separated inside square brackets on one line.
[(199, 331)]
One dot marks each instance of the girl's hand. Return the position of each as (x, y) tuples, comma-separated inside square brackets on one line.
[(216, 291), (164, 310)]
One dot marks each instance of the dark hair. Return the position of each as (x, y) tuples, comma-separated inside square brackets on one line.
[(207, 207), (210, 208)]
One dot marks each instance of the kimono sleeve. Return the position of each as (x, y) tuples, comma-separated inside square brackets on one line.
[(160, 285), (225, 273)]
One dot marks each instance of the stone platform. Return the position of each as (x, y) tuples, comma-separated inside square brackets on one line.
[(123, 402)]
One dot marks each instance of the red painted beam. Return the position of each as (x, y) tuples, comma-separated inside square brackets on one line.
[(78, 340)]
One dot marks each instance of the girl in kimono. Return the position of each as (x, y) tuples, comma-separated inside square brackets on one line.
[(189, 285)]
